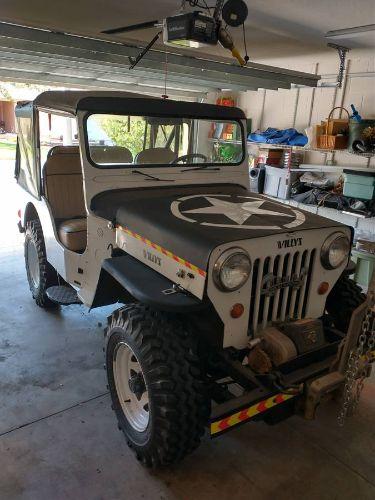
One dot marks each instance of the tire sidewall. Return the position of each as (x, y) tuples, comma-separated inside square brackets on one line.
[(137, 439), (30, 236)]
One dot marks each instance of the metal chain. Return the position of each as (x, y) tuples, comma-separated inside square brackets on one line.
[(355, 378), (342, 51)]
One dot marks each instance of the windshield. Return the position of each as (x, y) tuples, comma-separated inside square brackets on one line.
[(119, 140)]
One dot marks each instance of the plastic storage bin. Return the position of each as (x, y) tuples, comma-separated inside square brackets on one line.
[(359, 184), (277, 182), (365, 267)]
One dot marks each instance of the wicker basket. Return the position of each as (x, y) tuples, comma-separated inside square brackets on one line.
[(329, 141)]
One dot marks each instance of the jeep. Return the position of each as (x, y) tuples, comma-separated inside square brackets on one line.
[(232, 306)]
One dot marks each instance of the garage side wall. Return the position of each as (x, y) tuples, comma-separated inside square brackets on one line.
[(302, 107)]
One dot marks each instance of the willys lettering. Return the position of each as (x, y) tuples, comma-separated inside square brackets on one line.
[(152, 257), (291, 242)]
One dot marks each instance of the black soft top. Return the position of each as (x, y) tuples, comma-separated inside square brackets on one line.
[(130, 103)]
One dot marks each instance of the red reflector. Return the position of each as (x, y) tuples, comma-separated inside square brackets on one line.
[(323, 288), (237, 310)]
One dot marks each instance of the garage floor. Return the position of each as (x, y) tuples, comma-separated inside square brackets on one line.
[(59, 439)]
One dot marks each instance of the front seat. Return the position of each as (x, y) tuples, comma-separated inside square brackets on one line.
[(63, 187), (155, 155), (111, 155)]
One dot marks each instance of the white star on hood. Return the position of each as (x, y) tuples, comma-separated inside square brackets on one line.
[(237, 212)]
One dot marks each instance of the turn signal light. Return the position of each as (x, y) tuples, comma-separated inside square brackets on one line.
[(237, 310), (323, 288)]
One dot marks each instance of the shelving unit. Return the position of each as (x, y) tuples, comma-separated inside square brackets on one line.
[(265, 145), (308, 167)]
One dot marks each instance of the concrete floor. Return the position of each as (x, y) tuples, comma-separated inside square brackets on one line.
[(59, 439)]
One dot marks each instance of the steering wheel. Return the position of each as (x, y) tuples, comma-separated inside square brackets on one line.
[(186, 158)]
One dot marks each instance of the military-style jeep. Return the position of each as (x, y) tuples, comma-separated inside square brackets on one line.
[(235, 307)]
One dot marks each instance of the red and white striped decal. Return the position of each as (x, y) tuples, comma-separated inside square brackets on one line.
[(241, 416), (162, 250)]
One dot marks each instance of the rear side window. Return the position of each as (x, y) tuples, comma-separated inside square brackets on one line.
[(55, 130), (26, 172)]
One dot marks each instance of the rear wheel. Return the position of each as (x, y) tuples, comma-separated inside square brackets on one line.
[(342, 301), (156, 384), (40, 274)]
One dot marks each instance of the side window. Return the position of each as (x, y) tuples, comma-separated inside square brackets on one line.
[(26, 172), (56, 130)]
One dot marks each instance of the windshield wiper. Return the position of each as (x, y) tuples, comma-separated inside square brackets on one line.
[(201, 167), (151, 177)]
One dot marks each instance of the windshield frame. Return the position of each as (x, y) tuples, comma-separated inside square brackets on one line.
[(128, 166)]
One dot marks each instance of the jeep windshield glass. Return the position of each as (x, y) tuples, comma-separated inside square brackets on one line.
[(125, 141)]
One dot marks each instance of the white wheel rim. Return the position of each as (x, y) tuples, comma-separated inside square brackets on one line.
[(33, 263), (126, 368)]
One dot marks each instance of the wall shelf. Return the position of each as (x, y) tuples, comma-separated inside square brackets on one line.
[(265, 145), (306, 167)]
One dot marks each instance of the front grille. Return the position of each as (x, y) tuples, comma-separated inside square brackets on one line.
[(280, 288)]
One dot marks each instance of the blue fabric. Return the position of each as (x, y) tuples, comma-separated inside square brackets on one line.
[(288, 136)]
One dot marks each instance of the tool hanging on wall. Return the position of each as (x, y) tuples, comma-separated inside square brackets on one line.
[(342, 51)]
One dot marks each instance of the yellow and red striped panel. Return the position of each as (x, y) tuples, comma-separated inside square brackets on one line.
[(241, 416), (162, 250)]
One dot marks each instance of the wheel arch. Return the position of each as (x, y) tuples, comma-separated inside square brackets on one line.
[(109, 291), (125, 276)]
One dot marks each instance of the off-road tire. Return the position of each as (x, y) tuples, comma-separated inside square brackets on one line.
[(178, 404), (343, 299), (47, 275)]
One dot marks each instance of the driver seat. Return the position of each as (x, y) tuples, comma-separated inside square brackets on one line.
[(63, 187), (156, 155)]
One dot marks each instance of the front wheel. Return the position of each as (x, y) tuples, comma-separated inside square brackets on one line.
[(156, 384)]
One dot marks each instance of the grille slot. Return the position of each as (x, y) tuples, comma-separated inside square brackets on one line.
[(273, 297)]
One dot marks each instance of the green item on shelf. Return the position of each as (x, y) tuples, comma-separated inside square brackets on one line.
[(359, 184), (365, 267)]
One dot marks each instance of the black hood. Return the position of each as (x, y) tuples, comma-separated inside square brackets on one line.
[(191, 221)]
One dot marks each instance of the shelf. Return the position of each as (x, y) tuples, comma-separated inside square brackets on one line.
[(306, 167), (265, 145)]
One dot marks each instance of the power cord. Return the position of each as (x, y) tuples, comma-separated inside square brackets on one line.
[(246, 58)]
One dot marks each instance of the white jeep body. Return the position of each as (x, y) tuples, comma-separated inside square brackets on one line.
[(284, 249)]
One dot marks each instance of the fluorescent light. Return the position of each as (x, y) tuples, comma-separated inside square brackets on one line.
[(350, 32)]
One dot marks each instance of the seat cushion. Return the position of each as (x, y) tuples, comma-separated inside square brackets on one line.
[(73, 234), (156, 156)]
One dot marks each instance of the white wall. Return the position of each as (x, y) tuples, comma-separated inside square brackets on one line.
[(303, 107)]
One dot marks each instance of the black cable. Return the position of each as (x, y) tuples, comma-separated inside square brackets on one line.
[(207, 7), (195, 3), (246, 58)]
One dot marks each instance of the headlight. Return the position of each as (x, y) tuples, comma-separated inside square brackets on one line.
[(335, 250), (232, 269)]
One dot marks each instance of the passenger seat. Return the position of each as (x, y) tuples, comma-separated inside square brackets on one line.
[(155, 155), (63, 186)]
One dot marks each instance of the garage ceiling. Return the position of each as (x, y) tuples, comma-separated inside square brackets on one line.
[(274, 28), (84, 61), (42, 56)]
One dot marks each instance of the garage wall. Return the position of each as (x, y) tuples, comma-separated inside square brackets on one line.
[(303, 107)]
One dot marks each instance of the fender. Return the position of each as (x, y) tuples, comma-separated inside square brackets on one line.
[(143, 284)]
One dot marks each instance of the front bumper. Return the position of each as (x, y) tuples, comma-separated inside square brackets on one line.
[(315, 383)]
